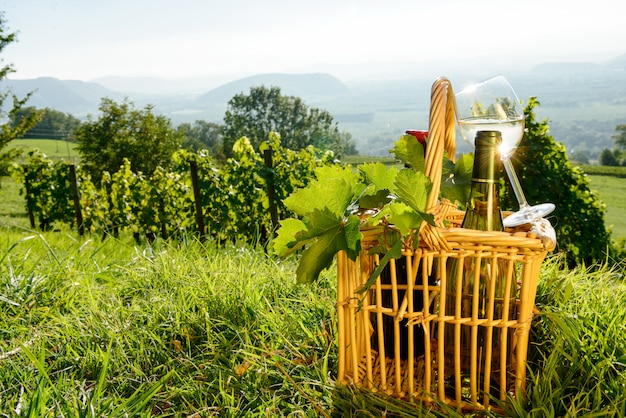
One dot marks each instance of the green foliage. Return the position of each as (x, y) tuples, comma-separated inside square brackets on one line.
[(600, 170), (608, 157), (48, 194), (325, 226), (331, 209), (8, 131), (620, 138), (202, 135), (265, 110), (580, 157), (546, 175), (122, 132), (108, 328), (234, 196)]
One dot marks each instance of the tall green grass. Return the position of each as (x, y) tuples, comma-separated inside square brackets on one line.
[(92, 328), (105, 328)]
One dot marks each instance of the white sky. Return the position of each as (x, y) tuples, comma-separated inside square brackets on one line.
[(86, 39)]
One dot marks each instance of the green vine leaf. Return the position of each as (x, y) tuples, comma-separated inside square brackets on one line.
[(405, 218), (457, 180), (289, 237), (413, 188), (408, 150), (334, 189), (324, 229), (379, 175), (319, 254), (394, 252)]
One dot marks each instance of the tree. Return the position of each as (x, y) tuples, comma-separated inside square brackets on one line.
[(53, 124), (202, 135), (546, 175), (608, 157), (122, 132), (620, 140), (265, 110), (8, 131), (580, 157)]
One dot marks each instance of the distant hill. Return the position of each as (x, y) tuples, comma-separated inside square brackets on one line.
[(618, 63), (69, 96), (312, 87), (583, 101), (80, 98), (566, 67)]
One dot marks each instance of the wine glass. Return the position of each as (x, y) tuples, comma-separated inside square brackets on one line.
[(492, 105)]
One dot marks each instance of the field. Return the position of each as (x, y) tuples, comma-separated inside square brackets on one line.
[(105, 328), (93, 328), (53, 148), (612, 192)]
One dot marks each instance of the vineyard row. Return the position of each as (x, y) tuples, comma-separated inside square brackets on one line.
[(240, 200)]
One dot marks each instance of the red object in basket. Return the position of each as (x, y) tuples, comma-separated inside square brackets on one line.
[(420, 135)]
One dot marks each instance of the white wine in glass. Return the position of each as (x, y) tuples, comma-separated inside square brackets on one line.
[(492, 105)]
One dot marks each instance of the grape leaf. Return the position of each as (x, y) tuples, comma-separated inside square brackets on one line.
[(394, 252), (380, 176), (409, 150), (353, 236), (375, 200), (287, 240), (319, 255), (334, 189), (404, 218), (386, 240), (457, 180), (413, 188)]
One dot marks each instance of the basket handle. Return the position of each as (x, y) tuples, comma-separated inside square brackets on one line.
[(441, 133), (441, 136)]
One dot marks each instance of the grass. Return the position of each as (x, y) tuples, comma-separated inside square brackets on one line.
[(611, 191), (12, 204), (92, 327), (106, 328)]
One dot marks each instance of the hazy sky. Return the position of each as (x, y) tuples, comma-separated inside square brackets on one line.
[(86, 39)]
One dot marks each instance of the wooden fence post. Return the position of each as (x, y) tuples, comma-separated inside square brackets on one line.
[(271, 193), (76, 197), (197, 195), (29, 204)]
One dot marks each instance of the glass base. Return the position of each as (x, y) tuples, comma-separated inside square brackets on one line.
[(528, 214)]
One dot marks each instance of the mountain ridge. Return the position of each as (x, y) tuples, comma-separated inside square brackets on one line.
[(81, 98), (584, 101)]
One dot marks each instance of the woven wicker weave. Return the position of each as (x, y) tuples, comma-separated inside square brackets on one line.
[(397, 337)]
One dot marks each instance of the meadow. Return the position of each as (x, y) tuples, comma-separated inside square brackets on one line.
[(55, 149), (94, 328), (612, 191)]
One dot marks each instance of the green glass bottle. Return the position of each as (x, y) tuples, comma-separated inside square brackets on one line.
[(482, 283), (483, 208)]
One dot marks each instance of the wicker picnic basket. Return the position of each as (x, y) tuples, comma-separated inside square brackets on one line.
[(418, 333)]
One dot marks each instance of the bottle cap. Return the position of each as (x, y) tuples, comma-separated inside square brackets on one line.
[(488, 138)]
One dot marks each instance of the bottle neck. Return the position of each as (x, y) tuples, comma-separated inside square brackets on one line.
[(483, 207)]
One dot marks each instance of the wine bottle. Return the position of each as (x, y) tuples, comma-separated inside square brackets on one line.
[(475, 282), (483, 208), (401, 276)]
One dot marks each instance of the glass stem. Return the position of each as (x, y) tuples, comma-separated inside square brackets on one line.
[(517, 187)]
